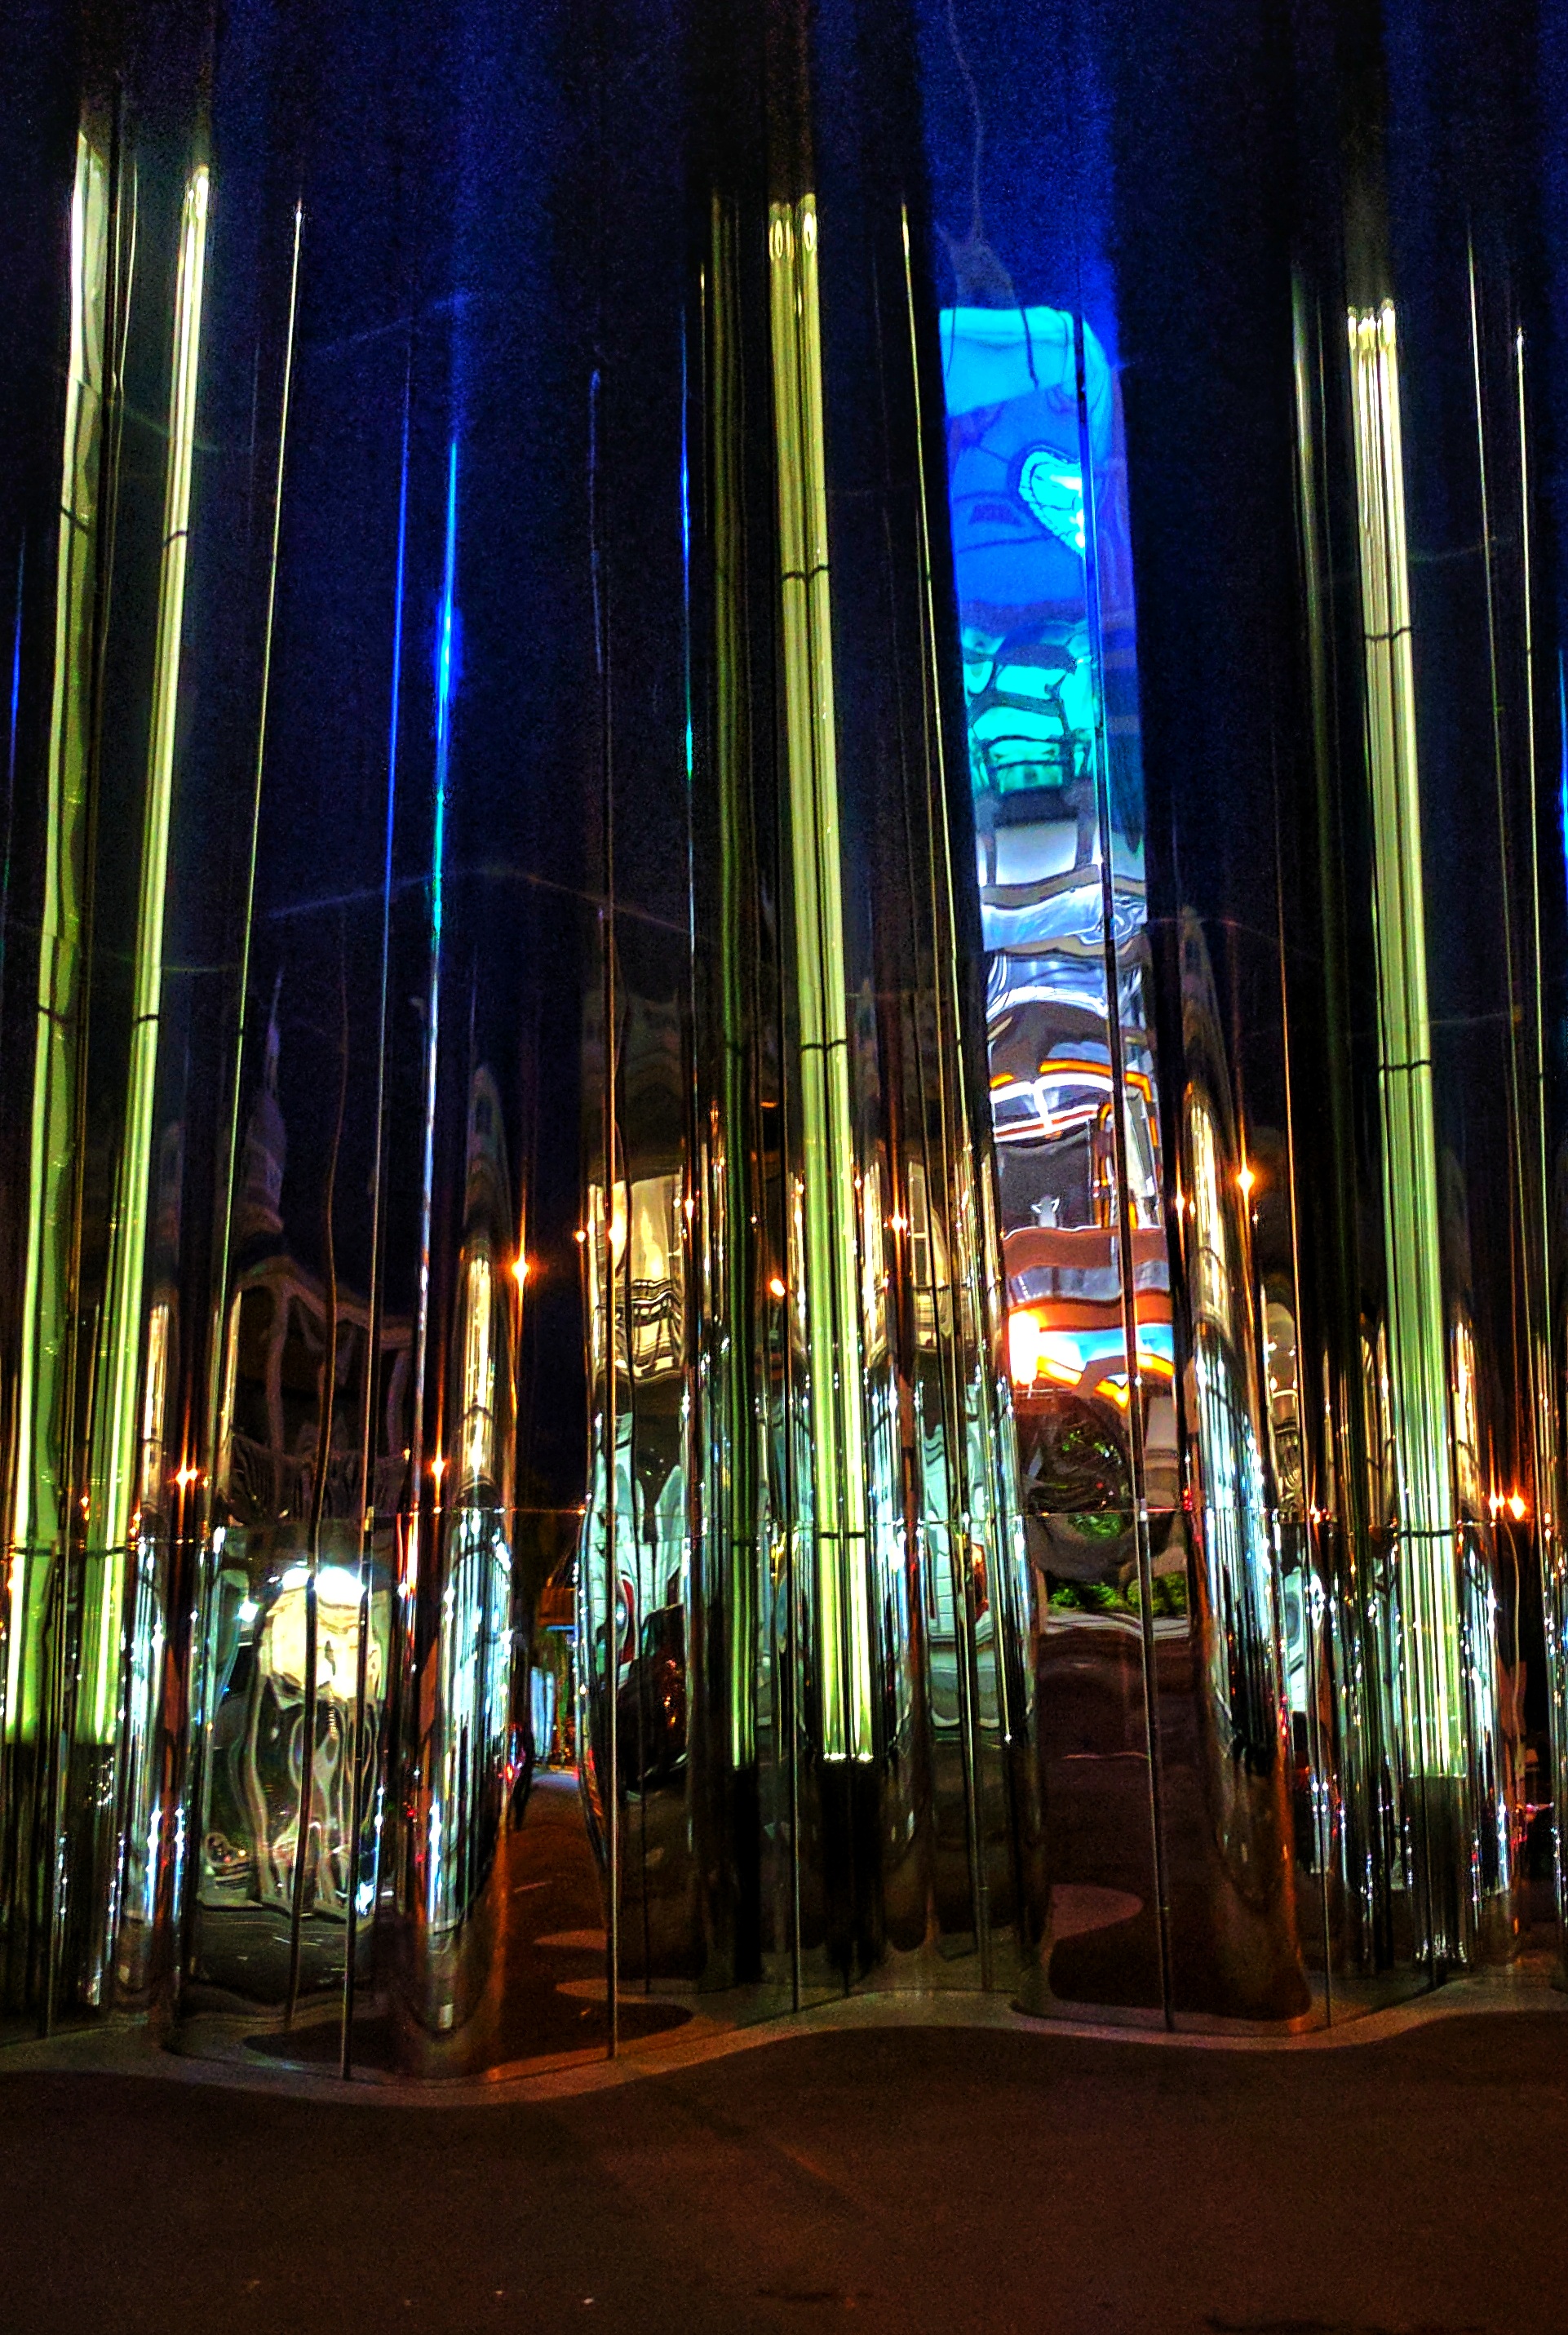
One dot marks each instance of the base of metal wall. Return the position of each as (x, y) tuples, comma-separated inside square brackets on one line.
[(700, 2029)]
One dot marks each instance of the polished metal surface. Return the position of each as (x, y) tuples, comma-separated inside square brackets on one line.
[(783, 923)]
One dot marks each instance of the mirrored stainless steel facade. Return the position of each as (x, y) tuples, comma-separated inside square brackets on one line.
[(782, 1014)]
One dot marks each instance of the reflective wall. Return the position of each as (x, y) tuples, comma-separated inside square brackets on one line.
[(1130, 1171), (783, 936)]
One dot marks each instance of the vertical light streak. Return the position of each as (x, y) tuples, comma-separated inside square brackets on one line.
[(990, 1516), (733, 1238), (36, 1519), (1562, 756), (1126, 1272), (833, 1326), (16, 669), (444, 677), (605, 1294), (1553, 1560), (225, 1345), (1539, 1310), (113, 1470), (686, 554), (367, 1463), (1418, 1373), (1518, 1143), (955, 1111), (11, 757), (1344, 1455), (223, 1329)]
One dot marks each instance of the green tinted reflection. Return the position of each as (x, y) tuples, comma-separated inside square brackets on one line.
[(828, 1196), (37, 1520), (1417, 1389)]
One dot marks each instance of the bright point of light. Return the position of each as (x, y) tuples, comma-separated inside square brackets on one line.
[(1245, 1179), (776, 1288), (336, 1585), (1023, 1348)]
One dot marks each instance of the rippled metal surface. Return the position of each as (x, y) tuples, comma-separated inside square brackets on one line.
[(783, 937)]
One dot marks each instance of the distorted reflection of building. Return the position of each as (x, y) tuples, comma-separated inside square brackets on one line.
[(470, 1743), (153, 1713), (1043, 574), (636, 1261), (1042, 548), (1039, 714), (299, 1563)]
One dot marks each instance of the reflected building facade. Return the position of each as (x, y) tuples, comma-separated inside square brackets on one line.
[(783, 937)]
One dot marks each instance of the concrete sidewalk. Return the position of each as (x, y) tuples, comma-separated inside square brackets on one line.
[(917, 2177)]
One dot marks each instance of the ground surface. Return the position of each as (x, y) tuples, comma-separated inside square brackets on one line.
[(910, 2179)]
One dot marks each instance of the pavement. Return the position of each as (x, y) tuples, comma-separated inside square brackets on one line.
[(1002, 2178)]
